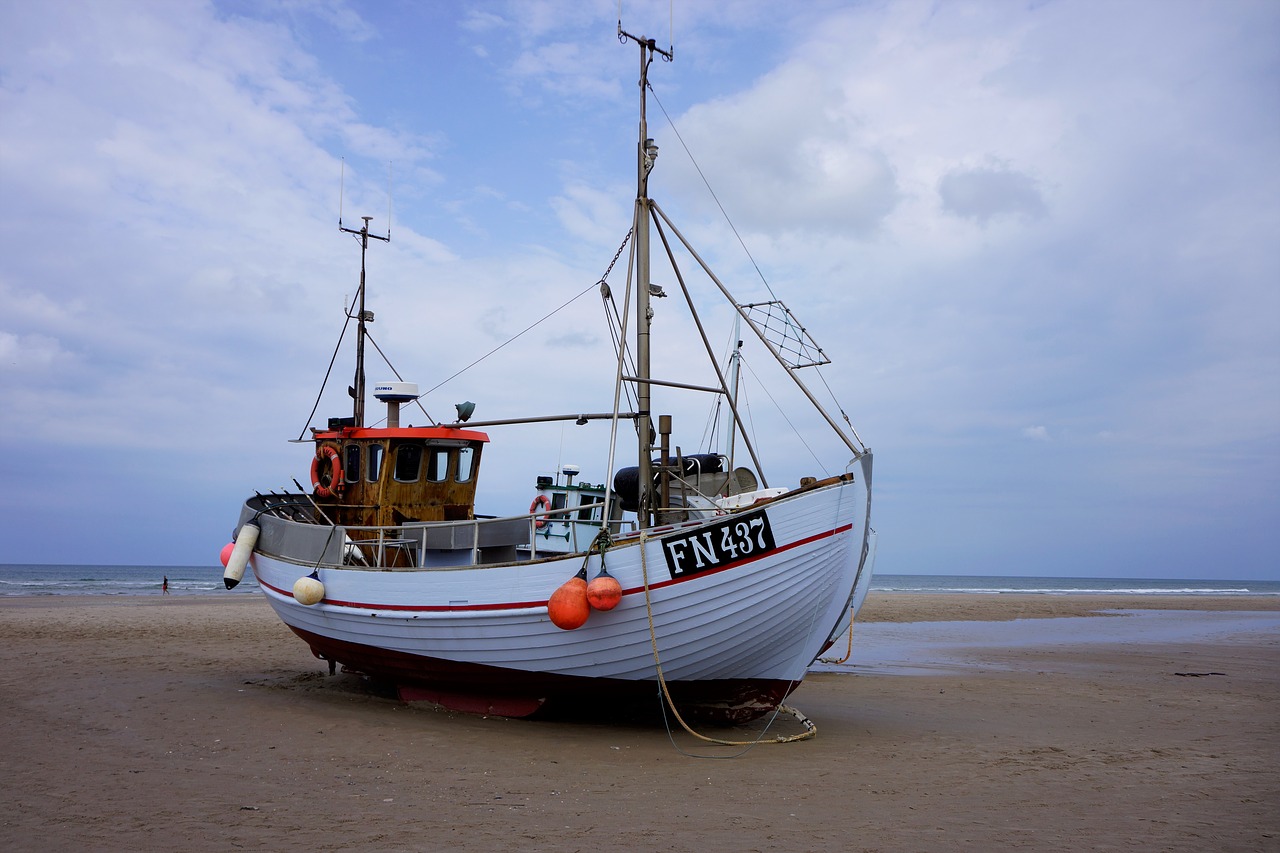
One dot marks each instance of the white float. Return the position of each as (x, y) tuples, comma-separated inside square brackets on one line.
[(240, 554), (308, 590)]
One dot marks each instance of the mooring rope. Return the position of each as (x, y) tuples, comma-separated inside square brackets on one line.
[(810, 729), (848, 652)]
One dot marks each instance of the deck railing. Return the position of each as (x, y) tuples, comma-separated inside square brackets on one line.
[(303, 530)]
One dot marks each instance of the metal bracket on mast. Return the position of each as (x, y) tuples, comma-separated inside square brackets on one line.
[(650, 44)]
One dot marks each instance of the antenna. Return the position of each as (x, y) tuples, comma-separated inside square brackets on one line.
[(363, 318), (342, 180), (670, 53)]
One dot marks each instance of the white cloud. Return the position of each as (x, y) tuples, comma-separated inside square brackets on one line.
[(986, 192), (1052, 223), (1036, 433)]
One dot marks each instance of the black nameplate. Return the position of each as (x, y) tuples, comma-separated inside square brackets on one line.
[(738, 538)]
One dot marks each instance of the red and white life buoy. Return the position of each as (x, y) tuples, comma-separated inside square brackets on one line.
[(336, 483), (540, 501)]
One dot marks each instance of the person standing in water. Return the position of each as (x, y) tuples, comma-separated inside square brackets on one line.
[(164, 587)]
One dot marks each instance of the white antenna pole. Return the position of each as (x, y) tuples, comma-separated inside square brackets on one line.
[(735, 364)]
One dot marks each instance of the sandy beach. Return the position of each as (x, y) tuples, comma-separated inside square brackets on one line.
[(201, 723)]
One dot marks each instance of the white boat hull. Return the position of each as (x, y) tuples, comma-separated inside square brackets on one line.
[(735, 629)]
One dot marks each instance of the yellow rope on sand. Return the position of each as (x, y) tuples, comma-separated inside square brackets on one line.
[(810, 730)]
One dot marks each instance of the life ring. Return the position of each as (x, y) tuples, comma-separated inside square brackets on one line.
[(336, 483), (540, 501)]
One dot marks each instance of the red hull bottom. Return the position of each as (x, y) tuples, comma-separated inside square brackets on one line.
[(478, 688)]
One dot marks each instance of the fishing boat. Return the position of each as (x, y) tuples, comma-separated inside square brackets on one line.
[(682, 578)]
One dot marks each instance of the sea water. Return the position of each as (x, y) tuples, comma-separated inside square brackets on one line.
[(995, 585), (940, 648), (19, 579), (952, 647)]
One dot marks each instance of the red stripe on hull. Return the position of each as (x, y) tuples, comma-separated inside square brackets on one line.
[(524, 605), (468, 686)]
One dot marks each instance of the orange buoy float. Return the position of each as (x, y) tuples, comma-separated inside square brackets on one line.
[(336, 484), (604, 592), (568, 607), (540, 501), (225, 556)]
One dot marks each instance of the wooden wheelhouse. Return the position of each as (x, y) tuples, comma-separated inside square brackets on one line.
[(393, 476)]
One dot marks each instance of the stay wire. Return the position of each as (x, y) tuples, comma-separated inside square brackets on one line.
[(714, 197), (783, 412), (741, 242), (392, 368), (327, 374), (613, 318), (843, 413), (514, 337), (536, 323)]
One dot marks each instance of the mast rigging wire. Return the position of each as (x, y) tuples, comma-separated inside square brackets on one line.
[(714, 197), (511, 339), (542, 320), (751, 258), (327, 374)]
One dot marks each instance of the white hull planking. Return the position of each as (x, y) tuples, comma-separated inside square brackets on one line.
[(766, 618)]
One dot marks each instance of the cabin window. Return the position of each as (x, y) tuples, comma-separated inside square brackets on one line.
[(351, 468), (375, 463), (437, 464), (590, 513), (558, 501), (408, 463), (466, 464)]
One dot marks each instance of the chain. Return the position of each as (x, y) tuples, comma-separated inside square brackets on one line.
[(616, 255)]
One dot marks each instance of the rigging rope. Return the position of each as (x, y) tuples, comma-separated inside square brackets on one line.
[(392, 368), (870, 567), (843, 414), (612, 317), (327, 374), (514, 337), (602, 283), (540, 321), (782, 412), (848, 652)]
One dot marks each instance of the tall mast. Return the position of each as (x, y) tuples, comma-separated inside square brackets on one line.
[(646, 152), (363, 317)]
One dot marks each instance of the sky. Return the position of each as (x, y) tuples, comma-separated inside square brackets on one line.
[(1039, 241)]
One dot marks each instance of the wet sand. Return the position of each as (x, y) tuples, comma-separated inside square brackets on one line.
[(201, 723)]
